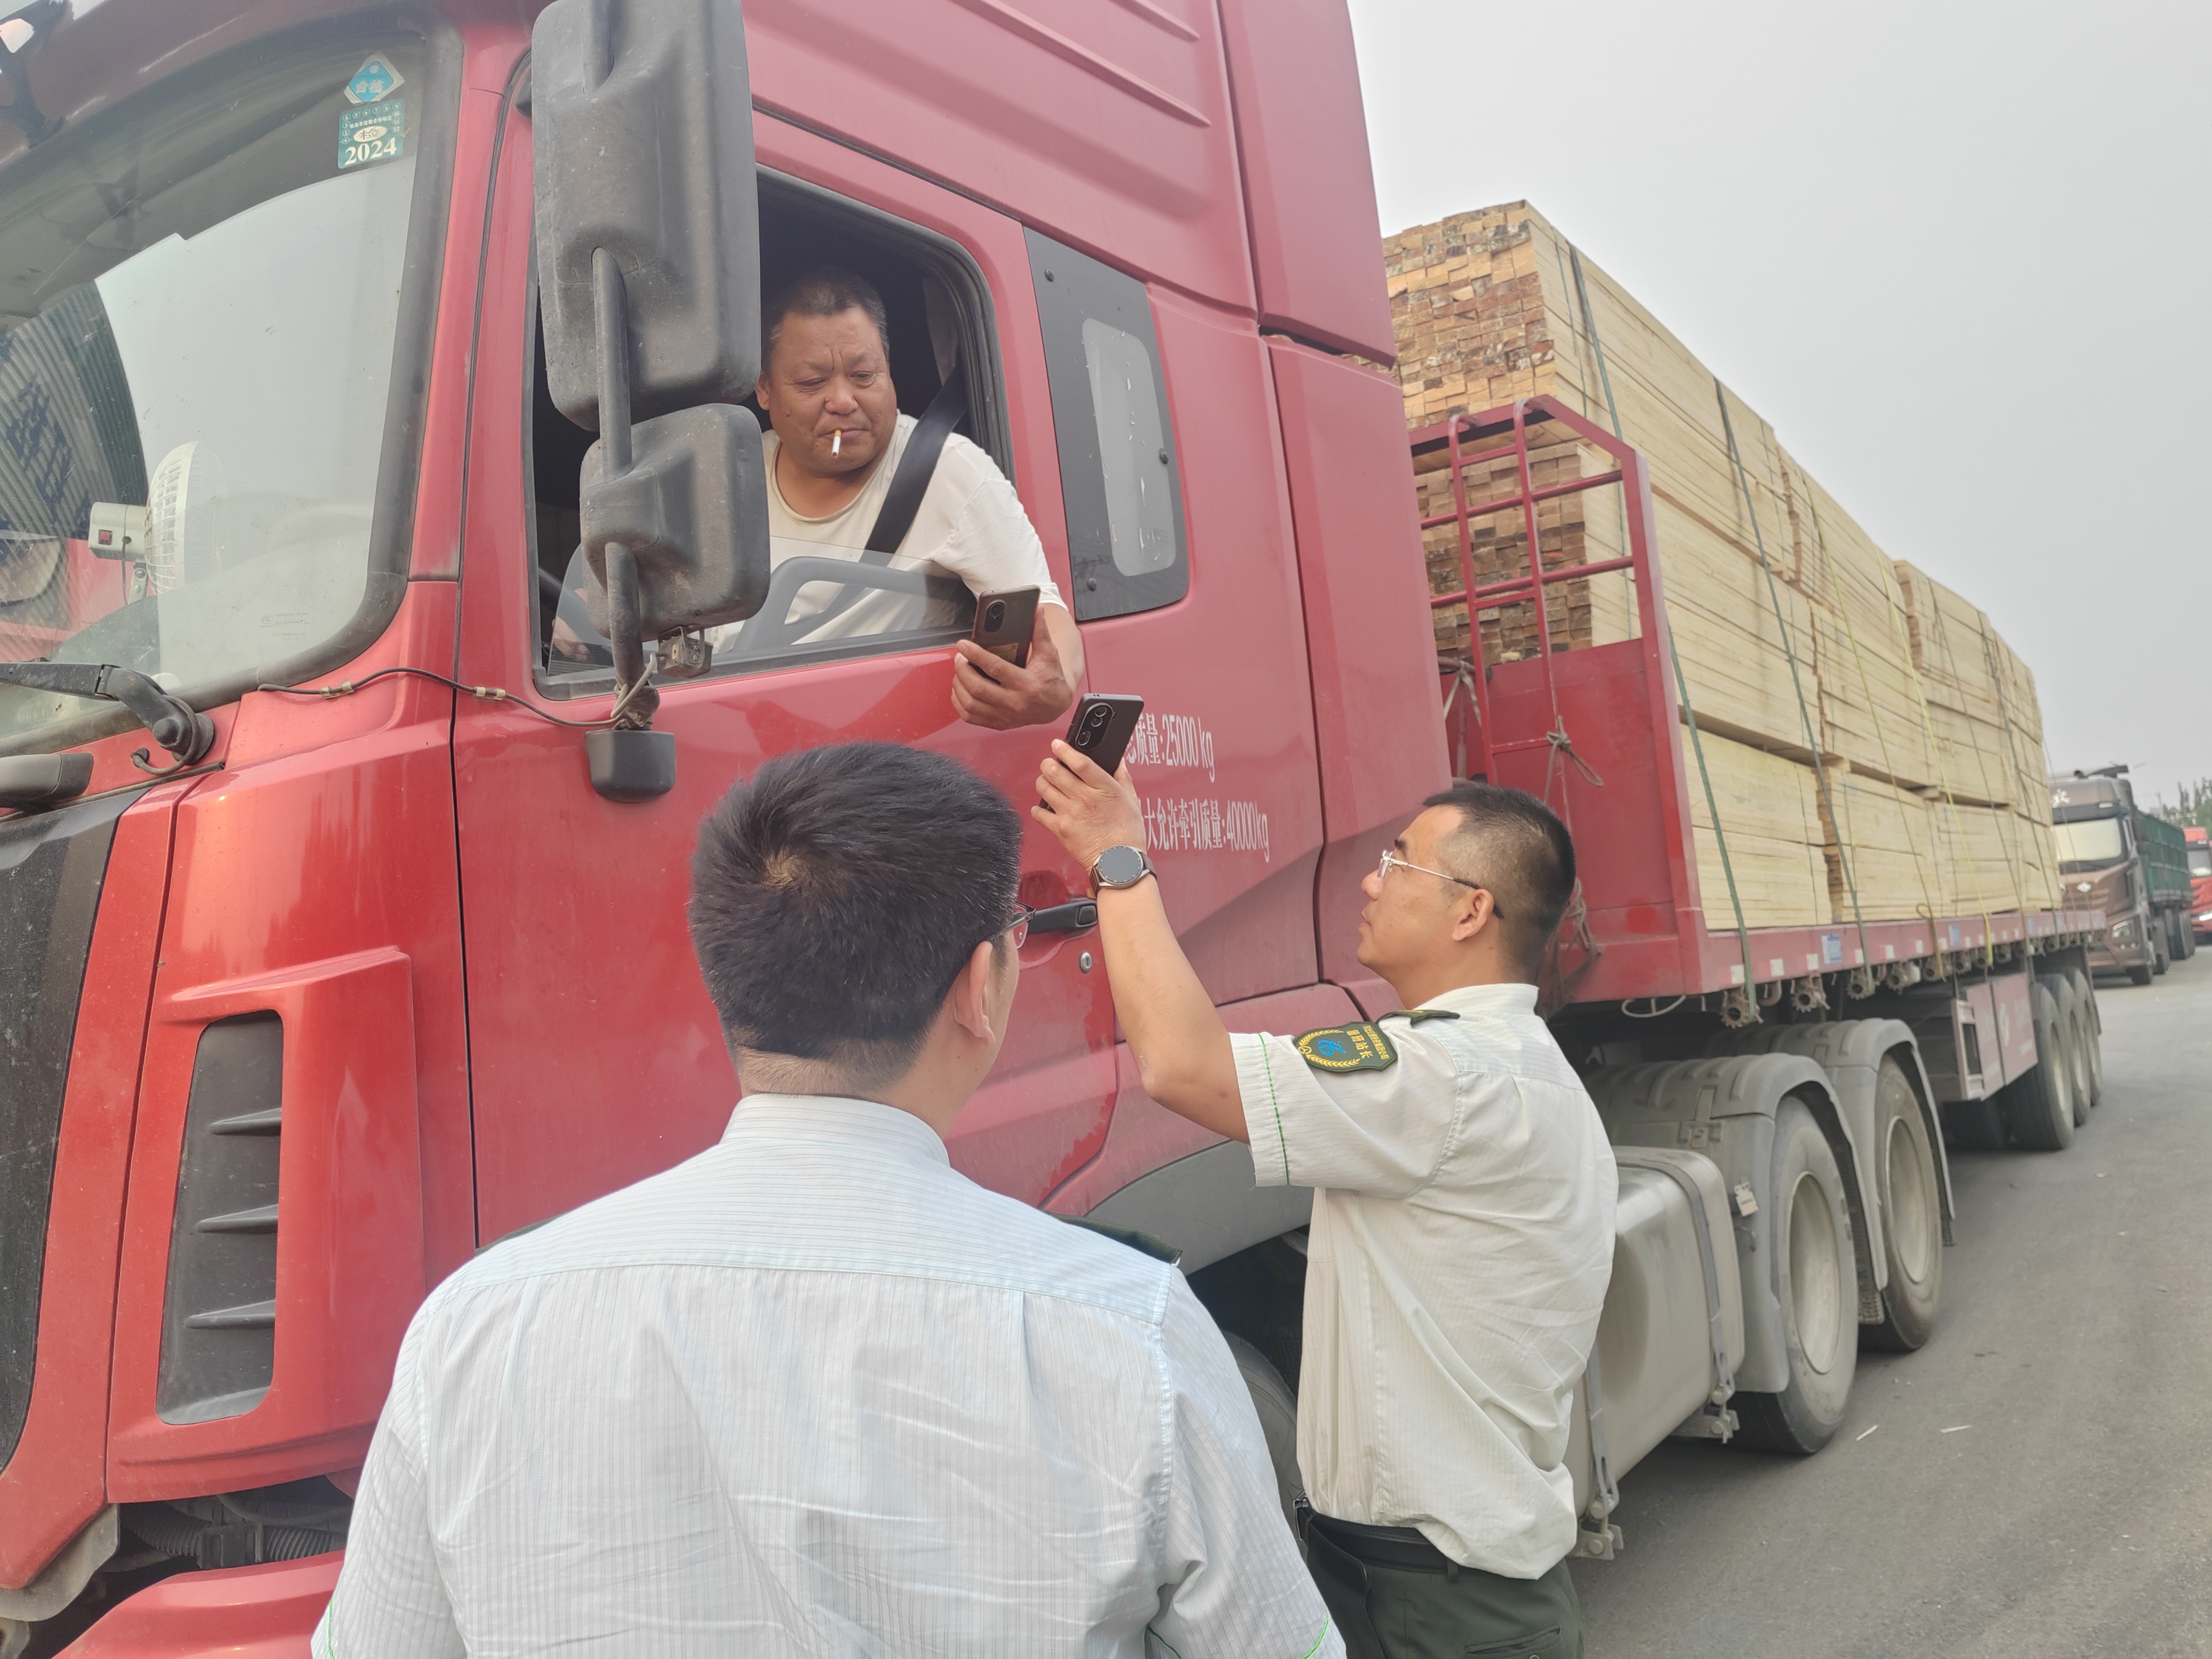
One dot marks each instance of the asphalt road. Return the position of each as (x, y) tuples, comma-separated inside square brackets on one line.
[(2068, 1510)]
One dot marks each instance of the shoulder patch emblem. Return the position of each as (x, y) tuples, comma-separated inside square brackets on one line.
[(1347, 1048), (1415, 1016)]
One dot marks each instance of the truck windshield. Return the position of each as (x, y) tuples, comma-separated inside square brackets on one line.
[(2200, 860), (200, 293), (2093, 841)]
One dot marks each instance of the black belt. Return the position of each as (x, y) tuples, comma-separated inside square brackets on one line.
[(1401, 1547)]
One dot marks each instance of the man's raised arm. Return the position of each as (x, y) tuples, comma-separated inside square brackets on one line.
[(1181, 1047)]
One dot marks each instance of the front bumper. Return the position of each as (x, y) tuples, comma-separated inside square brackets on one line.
[(237, 1613), (2112, 957)]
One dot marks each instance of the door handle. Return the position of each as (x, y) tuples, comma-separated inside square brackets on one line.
[(1078, 916)]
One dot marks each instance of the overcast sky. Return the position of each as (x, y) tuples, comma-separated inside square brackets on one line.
[(1959, 255)]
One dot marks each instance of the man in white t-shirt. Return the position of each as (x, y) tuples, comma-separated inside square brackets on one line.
[(835, 445)]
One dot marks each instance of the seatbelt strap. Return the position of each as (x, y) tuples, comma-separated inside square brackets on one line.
[(917, 465)]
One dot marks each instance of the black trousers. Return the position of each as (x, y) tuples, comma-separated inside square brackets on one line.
[(1396, 1596)]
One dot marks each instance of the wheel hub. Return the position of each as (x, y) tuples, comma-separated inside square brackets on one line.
[(1911, 1204), (1814, 1292)]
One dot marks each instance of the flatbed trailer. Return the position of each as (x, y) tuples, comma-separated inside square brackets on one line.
[(1786, 1088)]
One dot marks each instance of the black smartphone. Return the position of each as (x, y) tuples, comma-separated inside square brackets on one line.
[(1004, 623), (1103, 724)]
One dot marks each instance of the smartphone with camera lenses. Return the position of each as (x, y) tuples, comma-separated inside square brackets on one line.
[(1103, 724), (1004, 623)]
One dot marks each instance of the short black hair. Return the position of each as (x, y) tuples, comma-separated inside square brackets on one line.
[(821, 291), (1516, 847), (837, 896)]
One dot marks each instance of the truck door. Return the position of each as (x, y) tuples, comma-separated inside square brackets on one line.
[(1187, 579), (595, 1055)]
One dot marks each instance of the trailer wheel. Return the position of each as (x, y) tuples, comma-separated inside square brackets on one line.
[(2093, 1035), (1278, 1410), (1816, 1277), (2071, 1040), (2079, 1040), (1911, 1214), (2038, 1107)]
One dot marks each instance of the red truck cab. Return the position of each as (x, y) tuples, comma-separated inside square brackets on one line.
[(2200, 881), (375, 978)]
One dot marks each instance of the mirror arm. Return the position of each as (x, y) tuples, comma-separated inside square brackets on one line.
[(612, 305), (636, 700)]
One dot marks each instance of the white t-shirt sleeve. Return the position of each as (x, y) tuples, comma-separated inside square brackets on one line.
[(988, 541), (1233, 1585), (390, 1600), (1384, 1131)]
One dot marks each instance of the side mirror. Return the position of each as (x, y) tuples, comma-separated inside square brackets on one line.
[(648, 260)]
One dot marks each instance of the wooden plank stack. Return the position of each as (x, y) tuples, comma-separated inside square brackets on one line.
[(1898, 772)]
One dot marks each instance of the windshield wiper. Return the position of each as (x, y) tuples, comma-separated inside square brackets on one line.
[(175, 726)]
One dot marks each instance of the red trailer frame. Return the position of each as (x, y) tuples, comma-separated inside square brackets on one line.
[(1597, 733)]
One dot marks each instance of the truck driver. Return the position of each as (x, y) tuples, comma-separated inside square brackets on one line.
[(850, 477), (832, 455), (1462, 1220)]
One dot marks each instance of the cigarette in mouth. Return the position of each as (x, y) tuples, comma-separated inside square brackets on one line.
[(837, 440)]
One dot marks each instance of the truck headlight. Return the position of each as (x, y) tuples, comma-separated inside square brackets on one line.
[(2204, 916), (2124, 929)]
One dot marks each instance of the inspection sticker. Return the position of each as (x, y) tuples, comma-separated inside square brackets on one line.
[(374, 80), (374, 132)]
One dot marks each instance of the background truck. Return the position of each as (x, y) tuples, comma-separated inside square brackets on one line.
[(351, 896), (2200, 881), (2129, 864)]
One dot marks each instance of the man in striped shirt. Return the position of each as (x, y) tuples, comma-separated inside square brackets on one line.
[(812, 1392)]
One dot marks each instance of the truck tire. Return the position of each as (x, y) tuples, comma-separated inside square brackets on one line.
[(2160, 961), (1911, 1214), (1278, 1410), (2073, 1039), (1817, 1278), (2093, 1032), (2141, 975), (2038, 1107)]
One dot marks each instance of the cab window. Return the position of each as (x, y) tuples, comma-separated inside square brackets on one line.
[(938, 322)]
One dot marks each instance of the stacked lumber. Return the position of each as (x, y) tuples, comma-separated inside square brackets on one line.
[(1771, 811), (1874, 746)]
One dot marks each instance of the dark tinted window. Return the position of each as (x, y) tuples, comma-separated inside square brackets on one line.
[(1117, 453)]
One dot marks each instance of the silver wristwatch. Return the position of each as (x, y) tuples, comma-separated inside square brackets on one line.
[(1119, 867)]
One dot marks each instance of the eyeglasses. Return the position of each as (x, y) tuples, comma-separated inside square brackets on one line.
[(1017, 930), (1391, 861)]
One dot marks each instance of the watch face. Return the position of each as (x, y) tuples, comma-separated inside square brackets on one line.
[(1120, 866)]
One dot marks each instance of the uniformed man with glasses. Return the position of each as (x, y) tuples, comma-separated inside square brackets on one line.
[(1463, 1208)]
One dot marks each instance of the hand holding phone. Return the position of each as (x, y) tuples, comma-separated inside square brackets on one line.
[(1099, 813), (1103, 726), (1005, 622)]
